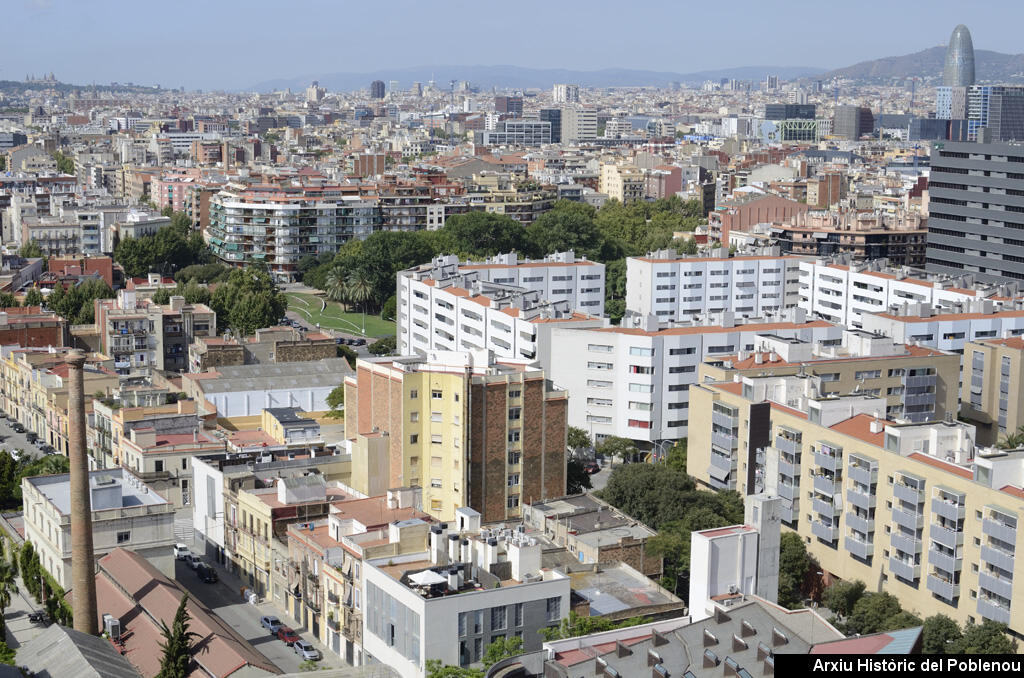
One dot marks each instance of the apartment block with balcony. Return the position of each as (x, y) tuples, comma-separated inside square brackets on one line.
[(916, 507), (993, 378), (443, 308), (633, 381), (141, 336), (676, 287), (926, 325), (467, 428), (278, 225), (918, 384)]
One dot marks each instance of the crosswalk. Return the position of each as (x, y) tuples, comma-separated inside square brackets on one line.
[(183, 533)]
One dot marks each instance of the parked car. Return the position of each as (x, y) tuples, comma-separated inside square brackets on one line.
[(181, 552), (18, 428), (286, 634), (206, 574), (591, 467), (305, 650), (339, 340), (271, 623), (359, 342), (31, 436), (193, 561), (48, 449)]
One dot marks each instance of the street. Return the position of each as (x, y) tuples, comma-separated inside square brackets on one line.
[(9, 440)]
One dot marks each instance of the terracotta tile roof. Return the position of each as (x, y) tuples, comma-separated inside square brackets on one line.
[(860, 427), (701, 329), (1015, 491), (944, 465), (651, 260), (949, 317)]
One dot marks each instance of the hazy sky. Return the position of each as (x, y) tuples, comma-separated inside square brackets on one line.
[(234, 44)]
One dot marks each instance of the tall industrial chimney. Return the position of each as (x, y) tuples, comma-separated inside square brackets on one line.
[(83, 566)]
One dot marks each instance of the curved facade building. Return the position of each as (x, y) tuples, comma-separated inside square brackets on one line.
[(959, 70)]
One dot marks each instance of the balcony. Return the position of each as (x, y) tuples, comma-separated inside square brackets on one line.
[(906, 493), (904, 543), (333, 624), (998, 585), (723, 442), (860, 523), (863, 475), (824, 507), (860, 499), (904, 570), (787, 445), (828, 462), (946, 536), (999, 530), (724, 463), (789, 470), (861, 549), (723, 420), (949, 510), (825, 484), (947, 590), (911, 521), (333, 598), (790, 492), (945, 561), (823, 531), (998, 557), (991, 609), (789, 512)]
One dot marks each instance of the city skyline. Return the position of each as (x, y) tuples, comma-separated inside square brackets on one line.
[(201, 54)]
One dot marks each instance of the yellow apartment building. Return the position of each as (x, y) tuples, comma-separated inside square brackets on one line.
[(993, 380)]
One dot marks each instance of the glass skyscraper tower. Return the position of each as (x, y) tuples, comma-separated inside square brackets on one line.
[(959, 70)]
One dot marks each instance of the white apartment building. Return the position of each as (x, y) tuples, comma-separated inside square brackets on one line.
[(578, 124), (841, 291), (449, 603), (675, 288), (633, 381), (443, 308), (565, 94), (558, 277), (926, 325), (125, 514)]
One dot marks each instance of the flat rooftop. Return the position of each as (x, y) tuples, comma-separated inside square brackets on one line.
[(57, 489), (615, 588)]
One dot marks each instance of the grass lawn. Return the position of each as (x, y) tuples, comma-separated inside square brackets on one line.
[(334, 318)]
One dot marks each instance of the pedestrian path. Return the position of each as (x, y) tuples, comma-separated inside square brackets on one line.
[(19, 629)]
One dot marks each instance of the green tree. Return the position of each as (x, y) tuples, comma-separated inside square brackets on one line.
[(360, 290), (576, 477), (193, 292), (31, 250), (384, 346), (247, 301), (6, 653), (348, 354), (1012, 441), (615, 290), (33, 297), (614, 446), (794, 563), (503, 648), (177, 644), (939, 634), (162, 296), (7, 300), (437, 669), (336, 401), (676, 457), (8, 587), (576, 625), (672, 543), (389, 310), (203, 273), (841, 596), (337, 285), (654, 494), (566, 226), (871, 613), (65, 164), (482, 234), (577, 439), (989, 637)]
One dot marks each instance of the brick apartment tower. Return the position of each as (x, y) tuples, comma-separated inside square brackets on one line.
[(83, 566)]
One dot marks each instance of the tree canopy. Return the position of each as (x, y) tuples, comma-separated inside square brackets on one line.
[(794, 564), (177, 644), (247, 301), (170, 249)]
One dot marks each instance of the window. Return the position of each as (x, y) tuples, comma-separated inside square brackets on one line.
[(639, 350), (184, 464), (599, 348), (414, 417), (513, 436), (435, 438), (679, 369), (554, 609), (600, 402), (682, 351), (513, 479), (599, 366), (514, 458), (414, 438), (436, 417), (513, 501), (124, 537), (515, 394), (499, 618), (636, 423), (867, 374), (414, 394), (598, 383), (641, 388), (514, 413), (435, 482), (518, 612), (436, 394), (158, 465), (641, 369)]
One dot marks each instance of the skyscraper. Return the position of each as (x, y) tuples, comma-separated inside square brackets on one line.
[(377, 89), (959, 70)]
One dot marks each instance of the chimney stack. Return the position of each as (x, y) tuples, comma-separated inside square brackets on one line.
[(83, 565)]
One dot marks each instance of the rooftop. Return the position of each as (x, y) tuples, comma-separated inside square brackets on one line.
[(57, 488)]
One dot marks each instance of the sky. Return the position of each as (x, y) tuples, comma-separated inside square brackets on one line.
[(234, 44)]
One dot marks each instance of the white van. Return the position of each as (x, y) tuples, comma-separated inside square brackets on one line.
[(181, 552)]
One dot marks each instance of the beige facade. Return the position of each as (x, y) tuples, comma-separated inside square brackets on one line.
[(993, 377), (913, 509), (622, 182)]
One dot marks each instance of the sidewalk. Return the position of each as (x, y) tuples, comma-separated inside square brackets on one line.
[(19, 629)]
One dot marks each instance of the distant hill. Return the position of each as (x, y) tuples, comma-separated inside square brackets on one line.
[(988, 67), (518, 77)]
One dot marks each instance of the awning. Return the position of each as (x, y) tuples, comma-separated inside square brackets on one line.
[(427, 578), (717, 473)]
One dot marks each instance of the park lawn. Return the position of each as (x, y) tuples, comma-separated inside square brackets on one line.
[(334, 318)]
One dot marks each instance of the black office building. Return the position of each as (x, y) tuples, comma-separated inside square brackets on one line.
[(976, 211), (377, 89), (789, 112), (554, 116)]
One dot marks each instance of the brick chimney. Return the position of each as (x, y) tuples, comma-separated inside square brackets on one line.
[(83, 566)]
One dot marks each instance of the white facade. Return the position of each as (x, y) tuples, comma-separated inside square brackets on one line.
[(633, 382), (440, 309), (565, 94), (945, 331), (559, 277), (208, 501), (125, 513), (674, 288), (843, 293), (724, 563)]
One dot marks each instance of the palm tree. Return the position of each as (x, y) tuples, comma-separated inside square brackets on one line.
[(1012, 440), (337, 286), (8, 586), (360, 290)]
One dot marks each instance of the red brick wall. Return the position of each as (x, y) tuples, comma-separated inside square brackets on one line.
[(555, 428), (533, 441), (495, 452)]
